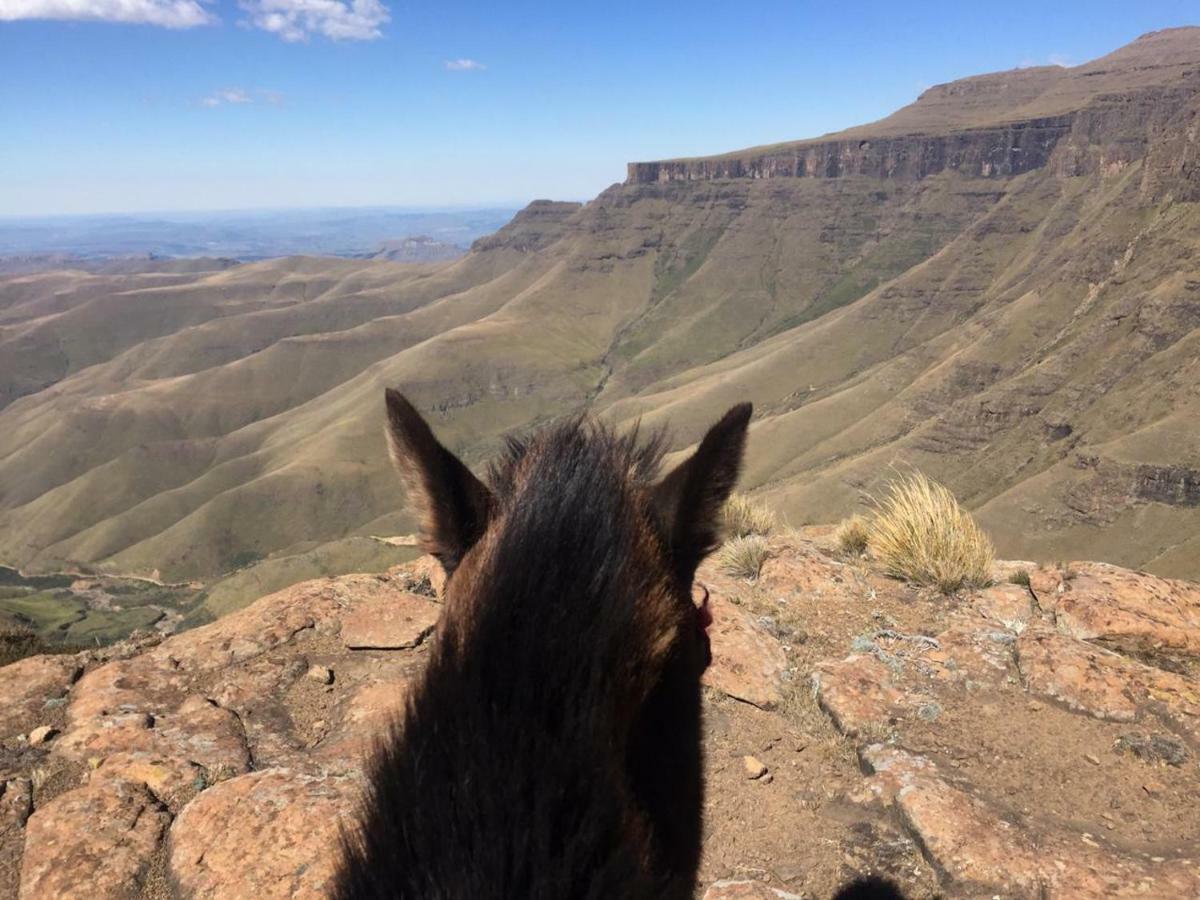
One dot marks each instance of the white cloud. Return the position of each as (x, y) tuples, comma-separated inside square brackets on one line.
[(237, 96), (167, 13), (297, 20), (464, 65), (229, 95)]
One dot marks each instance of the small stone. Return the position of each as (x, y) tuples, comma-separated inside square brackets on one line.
[(1034, 706), (767, 779), (1094, 760), (321, 674), (1153, 788), (754, 767), (42, 734)]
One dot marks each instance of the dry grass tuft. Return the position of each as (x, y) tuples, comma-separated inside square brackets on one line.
[(744, 556), (1020, 576), (921, 534), (853, 536), (743, 516)]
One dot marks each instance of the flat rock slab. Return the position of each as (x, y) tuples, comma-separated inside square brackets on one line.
[(1004, 603), (266, 835), (857, 692), (1105, 684), (1129, 610), (397, 622), (94, 842), (747, 663), (980, 850)]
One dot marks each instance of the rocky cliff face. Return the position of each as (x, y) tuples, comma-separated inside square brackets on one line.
[(978, 153), (1105, 114), (1014, 741)]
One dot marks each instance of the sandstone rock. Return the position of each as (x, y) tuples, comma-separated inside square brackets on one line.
[(27, 684), (320, 674), (857, 693), (389, 623), (94, 842), (364, 719), (982, 851), (746, 889), (145, 717), (1004, 603), (1104, 684), (166, 746), (747, 663), (1046, 583), (754, 767), (1131, 611), (958, 833), (423, 576), (269, 834), (982, 654), (41, 735)]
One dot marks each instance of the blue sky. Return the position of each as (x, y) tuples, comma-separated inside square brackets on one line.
[(223, 104)]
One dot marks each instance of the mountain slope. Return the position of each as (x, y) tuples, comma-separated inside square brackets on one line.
[(997, 284)]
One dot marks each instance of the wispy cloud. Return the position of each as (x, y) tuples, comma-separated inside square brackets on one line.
[(237, 96), (298, 20), (291, 20), (464, 65), (167, 13)]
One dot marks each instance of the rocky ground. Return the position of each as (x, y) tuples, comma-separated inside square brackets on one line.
[(1019, 741)]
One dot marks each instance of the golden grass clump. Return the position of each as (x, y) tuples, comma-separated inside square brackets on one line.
[(744, 556), (853, 536), (921, 534), (743, 516)]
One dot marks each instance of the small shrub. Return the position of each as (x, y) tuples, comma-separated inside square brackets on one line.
[(853, 536), (1021, 577), (18, 642), (921, 534), (744, 556), (743, 516)]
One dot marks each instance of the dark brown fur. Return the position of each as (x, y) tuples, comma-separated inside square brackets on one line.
[(552, 748)]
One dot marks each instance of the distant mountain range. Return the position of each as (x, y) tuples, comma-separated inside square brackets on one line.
[(998, 285), (37, 243)]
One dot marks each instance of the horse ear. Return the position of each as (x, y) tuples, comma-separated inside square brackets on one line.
[(454, 505), (689, 499)]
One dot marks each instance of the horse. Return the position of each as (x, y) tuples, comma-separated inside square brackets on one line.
[(552, 747)]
